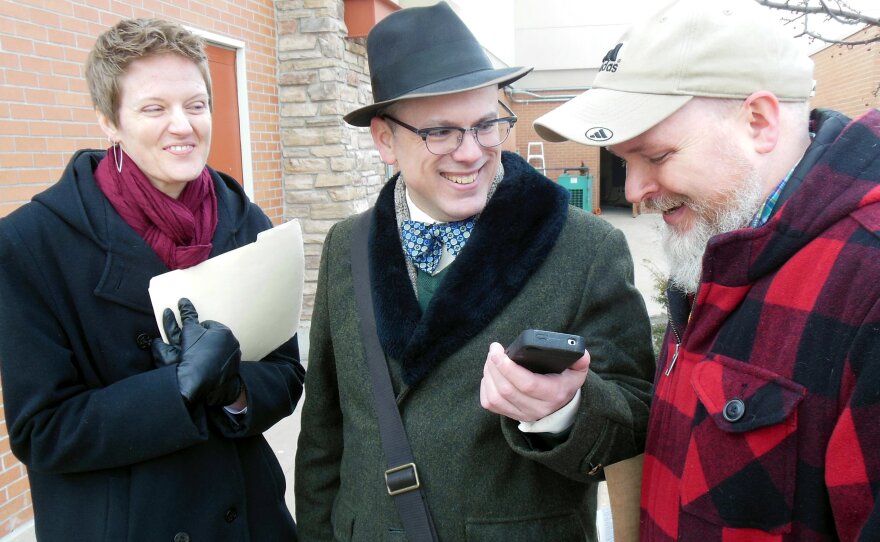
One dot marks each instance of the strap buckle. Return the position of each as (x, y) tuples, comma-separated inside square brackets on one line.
[(402, 479)]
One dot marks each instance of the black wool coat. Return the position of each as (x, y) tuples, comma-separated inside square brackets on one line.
[(112, 451)]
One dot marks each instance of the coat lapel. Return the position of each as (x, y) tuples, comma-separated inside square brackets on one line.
[(129, 261), (513, 236)]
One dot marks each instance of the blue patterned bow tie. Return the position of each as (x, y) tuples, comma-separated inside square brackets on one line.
[(423, 243)]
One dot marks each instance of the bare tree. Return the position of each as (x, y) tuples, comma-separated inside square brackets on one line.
[(805, 12)]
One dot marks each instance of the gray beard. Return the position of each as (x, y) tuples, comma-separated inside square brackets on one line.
[(685, 249)]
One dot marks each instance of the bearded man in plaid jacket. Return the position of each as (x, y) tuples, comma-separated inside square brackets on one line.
[(765, 423)]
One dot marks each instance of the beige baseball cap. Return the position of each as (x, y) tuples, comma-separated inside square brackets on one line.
[(712, 48)]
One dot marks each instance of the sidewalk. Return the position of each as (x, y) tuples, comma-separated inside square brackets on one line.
[(643, 236)]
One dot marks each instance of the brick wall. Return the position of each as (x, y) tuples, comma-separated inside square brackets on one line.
[(557, 156), (46, 115), (848, 78)]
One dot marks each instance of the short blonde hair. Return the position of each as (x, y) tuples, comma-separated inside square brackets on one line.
[(130, 40)]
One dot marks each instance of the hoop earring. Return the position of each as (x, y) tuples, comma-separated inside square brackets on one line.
[(118, 159)]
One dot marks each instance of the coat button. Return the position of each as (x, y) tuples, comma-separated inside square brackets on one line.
[(144, 340), (734, 410), (231, 514), (181, 537)]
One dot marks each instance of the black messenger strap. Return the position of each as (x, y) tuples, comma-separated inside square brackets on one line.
[(402, 476)]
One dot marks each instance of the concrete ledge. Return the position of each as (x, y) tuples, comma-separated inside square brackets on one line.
[(24, 533)]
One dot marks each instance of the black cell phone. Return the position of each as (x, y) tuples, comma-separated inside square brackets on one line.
[(546, 351)]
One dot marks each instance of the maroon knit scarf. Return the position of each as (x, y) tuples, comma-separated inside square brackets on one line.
[(179, 230)]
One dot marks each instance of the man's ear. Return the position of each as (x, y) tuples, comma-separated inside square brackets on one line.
[(761, 111), (107, 126), (383, 137)]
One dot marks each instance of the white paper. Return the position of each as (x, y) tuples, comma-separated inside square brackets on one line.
[(255, 290)]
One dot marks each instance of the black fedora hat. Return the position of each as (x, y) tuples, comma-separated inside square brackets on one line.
[(427, 51)]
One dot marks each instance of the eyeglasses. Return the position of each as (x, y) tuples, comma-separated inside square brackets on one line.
[(446, 139)]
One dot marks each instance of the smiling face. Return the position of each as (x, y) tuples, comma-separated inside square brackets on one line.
[(693, 167), (685, 166), (164, 120), (449, 187)]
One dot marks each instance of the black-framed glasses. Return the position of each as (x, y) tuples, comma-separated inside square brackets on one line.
[(442, 140)]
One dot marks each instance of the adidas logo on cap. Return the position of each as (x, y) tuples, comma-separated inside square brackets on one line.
[(610, 62), (599, 134)]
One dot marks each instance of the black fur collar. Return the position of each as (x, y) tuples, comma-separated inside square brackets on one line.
[(513, 236)]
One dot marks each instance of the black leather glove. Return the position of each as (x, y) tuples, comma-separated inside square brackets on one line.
[(207, 356)]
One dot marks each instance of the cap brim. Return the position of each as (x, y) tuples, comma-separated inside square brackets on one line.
[(604, 117), (463, 83)]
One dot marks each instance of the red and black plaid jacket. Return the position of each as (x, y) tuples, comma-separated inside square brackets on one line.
[(767, 426)]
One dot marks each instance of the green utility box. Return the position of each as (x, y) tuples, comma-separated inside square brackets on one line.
[(580, 185)]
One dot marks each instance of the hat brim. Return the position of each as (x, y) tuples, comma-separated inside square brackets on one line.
[(462, 83), (604, 117)]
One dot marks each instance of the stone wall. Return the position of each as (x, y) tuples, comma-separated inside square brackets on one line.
[(330, 169)]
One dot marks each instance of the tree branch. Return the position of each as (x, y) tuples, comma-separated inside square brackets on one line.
[(835, 10), (837, 42), (844, 16), (831, 13)]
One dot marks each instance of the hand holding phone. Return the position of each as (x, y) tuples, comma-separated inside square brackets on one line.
[(546, 351)]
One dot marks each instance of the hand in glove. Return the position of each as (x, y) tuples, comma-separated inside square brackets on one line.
[(207, 356), (167, 353)]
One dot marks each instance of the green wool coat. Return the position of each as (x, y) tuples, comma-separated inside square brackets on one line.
[(531, 262)]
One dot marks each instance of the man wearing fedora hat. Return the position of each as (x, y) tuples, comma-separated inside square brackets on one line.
[(467, 246), (764, 423)]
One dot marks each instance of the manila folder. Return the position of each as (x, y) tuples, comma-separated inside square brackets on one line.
[(256, 290)]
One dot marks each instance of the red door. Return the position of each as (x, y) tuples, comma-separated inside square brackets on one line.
[(225, 152)]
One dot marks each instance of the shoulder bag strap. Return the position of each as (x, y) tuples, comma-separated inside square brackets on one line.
[(402, 476)]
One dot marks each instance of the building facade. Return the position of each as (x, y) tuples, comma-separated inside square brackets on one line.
[(848, 77)]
